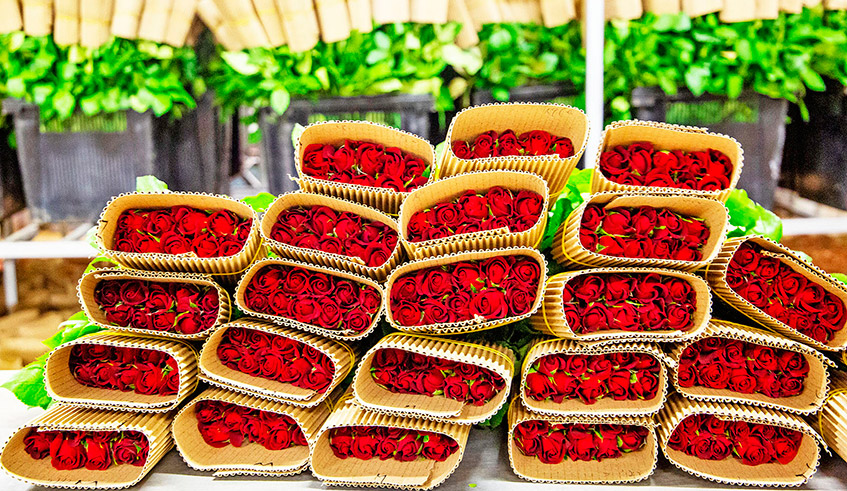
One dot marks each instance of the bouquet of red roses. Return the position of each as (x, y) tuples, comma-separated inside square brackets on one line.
[(223, 423), (507, 144), (93, 450), (388, 443), (142, 371), (554, 443)]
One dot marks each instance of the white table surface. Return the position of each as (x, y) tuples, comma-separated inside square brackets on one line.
[(485, 466)]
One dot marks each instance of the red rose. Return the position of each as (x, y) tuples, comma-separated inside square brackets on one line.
[(490, 304), (752, 451), (70, 454), (582, 444), (536, 142), (483, 145), (614, 162), (408, 448), (552, 449), (37, 443)]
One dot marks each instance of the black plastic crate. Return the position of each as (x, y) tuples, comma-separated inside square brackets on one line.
[(408, 112), (11, 184), (756, 121), (557, 93)]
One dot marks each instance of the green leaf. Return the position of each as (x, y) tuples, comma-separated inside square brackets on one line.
[(240, 62), (259, 202), (63, 103), (296, 132), (280, 100), (746, 217), (496, 420), (840, 277), (696, 77), (150, 184), (28, 384)]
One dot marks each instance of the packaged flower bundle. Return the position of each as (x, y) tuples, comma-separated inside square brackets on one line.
[(730, 362), (120, 371), (475, 211), (232, 433), (419, 376), (780, 290), (645, 156)]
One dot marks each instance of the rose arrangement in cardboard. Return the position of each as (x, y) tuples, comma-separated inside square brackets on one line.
[(554, 443), (366, 164), (223, 423), (641, 164), (138, 370), (507, 143), (93, 450), (390, 443)]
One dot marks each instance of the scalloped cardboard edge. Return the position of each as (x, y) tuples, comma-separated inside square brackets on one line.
[(471, 325), (716, 276), (313, 256), (558, 119), (731, 470), (335, 133), (250, 459), (666, 136), (63, 387), (605, 407), (216, 373), (630, 467), (446, 190), (225, 266), (550, 319), (285, 321), (155, 426), (88, 283), (372, 397), (568, 250), (807, 402), (831, 421), (418, 474)]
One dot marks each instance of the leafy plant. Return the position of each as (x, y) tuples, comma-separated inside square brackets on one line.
[(746, 217), (576, 191)]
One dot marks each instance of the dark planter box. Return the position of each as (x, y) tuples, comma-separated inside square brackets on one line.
[(406, 111), (756, 121), (559, 93), (11, 184)]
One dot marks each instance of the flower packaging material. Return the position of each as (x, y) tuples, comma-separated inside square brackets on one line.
[(781, 291), (269, 17), (95, 19), (325, 301), (833, 415), (365, 162), (555, 120), (98, 449), (154, 19), (631, 304), (698, 8), (645, 156), (180, 22), (361, 18), (418, 376), (580, 449), (37, 17), (121, 371), (521, 11), (475, 211), (738, 444), (741, 11), (623, 9), (332, 232), (660, 7), (223, 29), (484, 12), (561, 377), (617, 230), (175, 305), (220, 244), (466, 292), (730, 362), (232, 433), (364, 448), (276, 363)]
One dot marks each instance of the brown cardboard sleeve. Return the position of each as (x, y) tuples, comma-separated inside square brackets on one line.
[(568, 250), (64, 388), (557, 12), (251, 459), (605, 406), (126, 17), (558, 119), (716, 276), (156, 427), (391, 11), (179, 23), (831, 421), (285, 321), (335, 133), (767, 9), (623, 9), (334, 20), (665, 136), (629, 467), (472, 324), (791, 6), (372, 397), (225, 267), (266, 11), (313, 256), (808, 401), (550, 319), (88, 283), (446, 190), (522, 11), (738, 11), (418, 474), (243, 19), (95, 22), (10, 16), (731, 470), (154, 20), (215, 372), (484, 12)]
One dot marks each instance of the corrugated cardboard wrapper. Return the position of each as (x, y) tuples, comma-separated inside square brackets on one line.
[(391, 11), (605, 406), (222, 266), (791, 6), (215, 372), (95, 23), (550, 319), (446, 190), (522, 11), (335, 133), (314, 256), (767, 9), (10, 16), (738, 11), (457, 11), (629, 467), (88, 284), (716, 276), (732, 470), (418, 474), (831, 421), (154, 19), (300, 24), (64, 388), (484, 12), (155, 426), (372, 397), (558, 119), (568, 250), (253, 459), (126, 17), (285, 321), (814, 388), (697, 8), (180, 21), (242, 17), (665, 136), (224, 32), (471, 325)]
